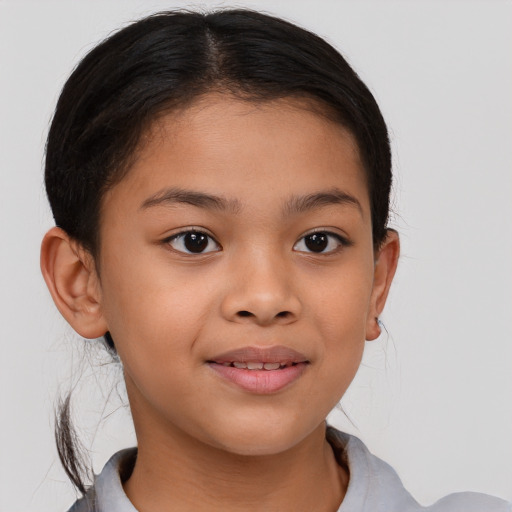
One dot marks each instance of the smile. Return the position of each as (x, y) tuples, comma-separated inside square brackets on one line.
[(260, 370), (253, 365)]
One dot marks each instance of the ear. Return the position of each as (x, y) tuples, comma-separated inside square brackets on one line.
[(71, 277), (385, 266)]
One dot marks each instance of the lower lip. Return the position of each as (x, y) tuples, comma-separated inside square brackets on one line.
[(262, 382)]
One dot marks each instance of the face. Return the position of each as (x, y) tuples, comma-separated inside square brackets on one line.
[(236, 273)]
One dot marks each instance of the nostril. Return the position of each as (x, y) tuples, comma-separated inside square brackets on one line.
[(264, 317), (281, 314)]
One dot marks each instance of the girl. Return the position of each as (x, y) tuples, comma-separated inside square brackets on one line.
[(220, 185)]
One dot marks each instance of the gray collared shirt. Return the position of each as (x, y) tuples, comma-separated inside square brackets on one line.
[(373, 486)]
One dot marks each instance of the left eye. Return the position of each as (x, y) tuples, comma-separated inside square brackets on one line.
[(319, 242), (193, 242)]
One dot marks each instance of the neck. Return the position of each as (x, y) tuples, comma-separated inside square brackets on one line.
[(179, 473)]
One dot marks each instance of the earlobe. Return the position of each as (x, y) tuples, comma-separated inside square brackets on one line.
[(385, 267), (73, 283)]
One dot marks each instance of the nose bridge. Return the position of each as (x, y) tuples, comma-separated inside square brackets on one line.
[(261, 288)]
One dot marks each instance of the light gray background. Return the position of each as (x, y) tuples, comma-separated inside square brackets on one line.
[(434, 397)]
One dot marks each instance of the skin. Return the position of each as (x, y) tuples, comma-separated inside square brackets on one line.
[(217, 446)]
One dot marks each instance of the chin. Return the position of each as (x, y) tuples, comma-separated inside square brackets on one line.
[(261, 438)]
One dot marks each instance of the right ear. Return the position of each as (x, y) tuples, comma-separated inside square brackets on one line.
[(71, 277)]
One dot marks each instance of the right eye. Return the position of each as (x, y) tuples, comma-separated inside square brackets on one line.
[(193, 242)]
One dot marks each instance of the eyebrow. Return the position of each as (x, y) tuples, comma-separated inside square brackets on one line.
[(294, 205), (170, 196), (334, 196)]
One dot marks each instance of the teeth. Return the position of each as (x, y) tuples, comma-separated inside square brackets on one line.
[(254, 366)]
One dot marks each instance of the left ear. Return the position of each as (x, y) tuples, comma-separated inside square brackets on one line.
[(386, 261)]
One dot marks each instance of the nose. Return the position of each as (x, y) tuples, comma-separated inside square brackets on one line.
[(261, 291)]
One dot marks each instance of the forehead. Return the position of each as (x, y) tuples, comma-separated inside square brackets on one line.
[(222, 144)]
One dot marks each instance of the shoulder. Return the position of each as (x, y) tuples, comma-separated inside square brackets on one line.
[(374, 485), (107, 493), (470, 502), (87, 503)]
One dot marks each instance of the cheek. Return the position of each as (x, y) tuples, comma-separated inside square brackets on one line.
[(152, 313), (340, 310), (341, 303)]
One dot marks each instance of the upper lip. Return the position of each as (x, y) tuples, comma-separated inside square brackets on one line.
[(274, 354)]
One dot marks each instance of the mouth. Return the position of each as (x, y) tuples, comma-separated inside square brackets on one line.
[(255, 365), (251, 356), (260, 370)]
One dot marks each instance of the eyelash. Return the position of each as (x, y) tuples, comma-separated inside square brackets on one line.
[(340, 241), (180, 238), (203, 237)]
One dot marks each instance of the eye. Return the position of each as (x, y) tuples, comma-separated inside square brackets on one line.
[(320, 242), (193, 242)]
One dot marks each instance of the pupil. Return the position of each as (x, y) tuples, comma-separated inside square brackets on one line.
[(196, 242), (317, 242)]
